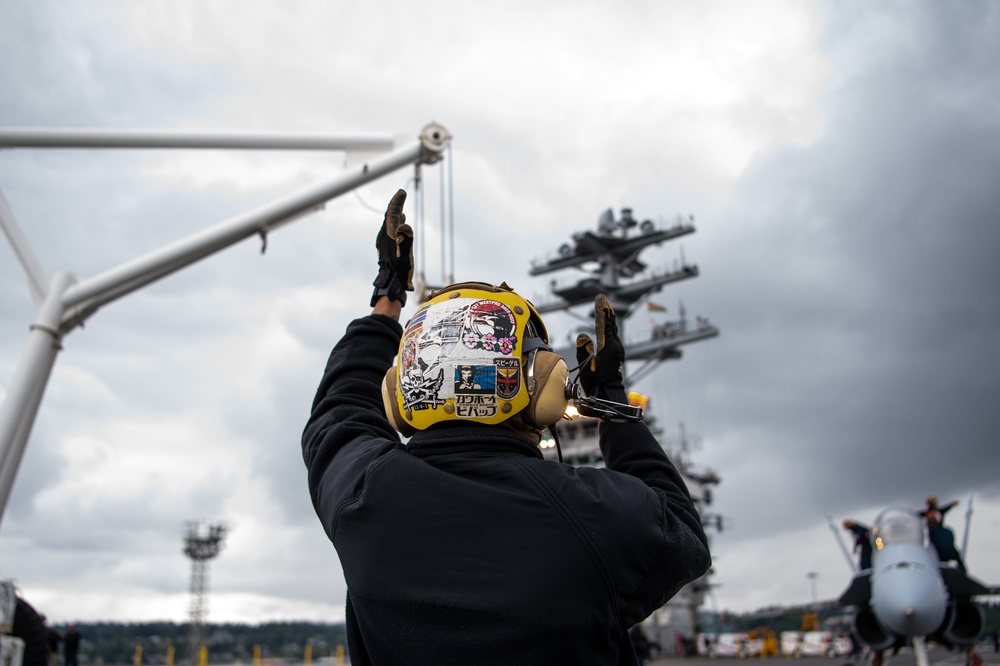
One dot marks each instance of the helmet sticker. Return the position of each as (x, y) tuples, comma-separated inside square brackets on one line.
[(474, 379), (460, 349), (475, 391), (421, 391), (508, 377), (475, 406), (490, 325), (431, 337)]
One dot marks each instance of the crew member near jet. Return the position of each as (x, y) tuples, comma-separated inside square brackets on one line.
[(941, 537), (862, 542), (463, 545)]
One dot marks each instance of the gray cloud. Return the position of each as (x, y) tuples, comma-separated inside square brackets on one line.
[(840, 173), (858, 320)]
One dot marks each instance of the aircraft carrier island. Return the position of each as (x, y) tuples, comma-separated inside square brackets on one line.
[(610, 260)]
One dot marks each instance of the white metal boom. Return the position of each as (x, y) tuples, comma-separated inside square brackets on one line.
[(64, 302)]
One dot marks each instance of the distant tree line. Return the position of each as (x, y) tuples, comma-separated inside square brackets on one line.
[(114, 643)]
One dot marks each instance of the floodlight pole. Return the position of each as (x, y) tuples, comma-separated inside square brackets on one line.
[(64, 302)]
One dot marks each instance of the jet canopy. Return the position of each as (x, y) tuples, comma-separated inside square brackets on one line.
[(896, 526)]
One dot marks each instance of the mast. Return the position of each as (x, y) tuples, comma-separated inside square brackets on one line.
[(611, 258)]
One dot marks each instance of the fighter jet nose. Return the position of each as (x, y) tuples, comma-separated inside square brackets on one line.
[(909, 599)]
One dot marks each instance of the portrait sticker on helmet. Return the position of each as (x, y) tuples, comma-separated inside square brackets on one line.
[(474, 379)]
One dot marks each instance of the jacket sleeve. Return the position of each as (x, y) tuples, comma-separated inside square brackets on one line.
[(632, 449), (347, 430)]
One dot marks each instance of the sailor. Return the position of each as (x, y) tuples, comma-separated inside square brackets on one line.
[(941, 537), (463, 545), (862, 542)]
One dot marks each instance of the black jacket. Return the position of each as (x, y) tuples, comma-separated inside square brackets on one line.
[(466, 547)]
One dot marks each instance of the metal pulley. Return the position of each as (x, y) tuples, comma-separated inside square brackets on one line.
[(435, 139)]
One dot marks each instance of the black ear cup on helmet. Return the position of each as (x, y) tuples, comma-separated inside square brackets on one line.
[(548, 395), (389, 393)]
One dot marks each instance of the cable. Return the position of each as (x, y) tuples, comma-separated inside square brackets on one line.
[(555, 438), (451, 216), (444, 231), (419, 211), (366, 204)]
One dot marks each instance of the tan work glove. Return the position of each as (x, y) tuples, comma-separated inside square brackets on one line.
[(395, 253)]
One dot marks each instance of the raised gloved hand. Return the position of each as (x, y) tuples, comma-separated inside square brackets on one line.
[(603, 376), (395, 253)]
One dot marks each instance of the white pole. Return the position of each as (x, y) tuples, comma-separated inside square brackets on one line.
[(920, 651), (840, 542), (36, 276), (64, 304), (56, 137), (18, 411), (968, 523), (92, 292)]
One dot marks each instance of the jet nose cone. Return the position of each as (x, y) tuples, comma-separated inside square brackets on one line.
[(909, 605)]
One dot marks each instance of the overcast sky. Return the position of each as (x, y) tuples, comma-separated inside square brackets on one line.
[(840, 160)]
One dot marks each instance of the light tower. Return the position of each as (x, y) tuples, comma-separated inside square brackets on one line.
[(202, 542)]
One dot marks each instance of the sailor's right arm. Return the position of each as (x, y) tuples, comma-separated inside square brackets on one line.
[(347, 429), (387, 307)]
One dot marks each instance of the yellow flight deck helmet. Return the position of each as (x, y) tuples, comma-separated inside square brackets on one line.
[(475, 352)]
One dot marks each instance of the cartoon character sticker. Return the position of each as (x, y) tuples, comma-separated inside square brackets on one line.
[(421, 391), (408, 352), (490, 325)]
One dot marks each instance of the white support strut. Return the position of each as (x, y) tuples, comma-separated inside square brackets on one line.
[(32, 137), (36, 276), (138, 272), (63, 302)]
